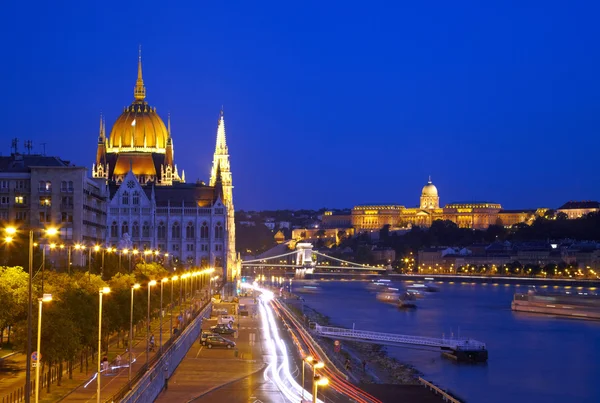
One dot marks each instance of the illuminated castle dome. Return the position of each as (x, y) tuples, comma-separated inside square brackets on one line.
[(429, 196), (429, 189)]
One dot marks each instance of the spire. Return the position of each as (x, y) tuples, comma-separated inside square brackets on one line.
[(102, 132), (169, 124), (139, 92), (429, 181), (221, 147)]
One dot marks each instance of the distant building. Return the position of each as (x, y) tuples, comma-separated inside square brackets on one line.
[(37, 191), (476, 215), (387, 255), (577, 209), (247, 223), (284, 224), (279, 237), (332, 220)]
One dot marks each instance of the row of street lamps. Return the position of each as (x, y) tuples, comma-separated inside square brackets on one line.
[(10, 234)]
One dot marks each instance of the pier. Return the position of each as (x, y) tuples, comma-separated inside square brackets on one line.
[(460, 349)]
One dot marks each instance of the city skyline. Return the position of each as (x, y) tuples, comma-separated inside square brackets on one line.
[(507, 115)]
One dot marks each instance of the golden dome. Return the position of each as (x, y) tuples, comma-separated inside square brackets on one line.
[(139, 126), (429, 189)]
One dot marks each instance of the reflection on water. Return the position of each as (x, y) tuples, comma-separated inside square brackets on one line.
[(532, 357)]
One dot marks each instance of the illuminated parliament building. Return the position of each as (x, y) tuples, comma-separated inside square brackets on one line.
[(150, 205)]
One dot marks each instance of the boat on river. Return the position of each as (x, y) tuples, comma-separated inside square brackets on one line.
[(579, 305), (389, 295)]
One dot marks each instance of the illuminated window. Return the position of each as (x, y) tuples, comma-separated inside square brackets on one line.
[(45, 201), (19, 199)]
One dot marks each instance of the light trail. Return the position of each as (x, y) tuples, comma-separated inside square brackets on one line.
[(278, 368)]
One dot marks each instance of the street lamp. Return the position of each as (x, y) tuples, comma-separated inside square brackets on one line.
[(150, 285), (162, 282), (10, 231), (318, 381), (45, 298), (307, 360), (133, 287), (104, 290), (174, 279)]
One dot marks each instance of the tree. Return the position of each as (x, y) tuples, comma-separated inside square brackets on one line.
[(13, 295), (561, 216)]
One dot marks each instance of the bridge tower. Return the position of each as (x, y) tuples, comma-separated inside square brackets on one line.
[(304, 259)]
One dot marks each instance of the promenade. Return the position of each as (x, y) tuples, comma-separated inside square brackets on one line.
[(209, 375), (83, 387)]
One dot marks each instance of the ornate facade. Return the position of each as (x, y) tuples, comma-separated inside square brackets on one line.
[(477, 215), (150, 206)]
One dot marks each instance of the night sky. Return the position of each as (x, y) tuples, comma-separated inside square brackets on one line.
[(327, 104)]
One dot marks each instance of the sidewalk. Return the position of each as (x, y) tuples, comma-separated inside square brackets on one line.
[(205, 370), (117, 377)]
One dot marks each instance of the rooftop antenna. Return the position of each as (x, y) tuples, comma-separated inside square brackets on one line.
[(14, 144), (43, 148), (28, 146)]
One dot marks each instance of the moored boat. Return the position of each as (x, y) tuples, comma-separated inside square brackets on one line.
[(575, 305)]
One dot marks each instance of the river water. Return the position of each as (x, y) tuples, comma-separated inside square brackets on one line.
[(531, 357)]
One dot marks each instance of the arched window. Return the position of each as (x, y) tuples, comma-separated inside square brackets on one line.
[(125, 198), (114, 230), (146, 230), (63, 186), (204, 230), (190, 231), (218, 262), (124, 228), (204, 262), (70, 187), (136, 198), (162, 231), (135, 230), (219, 231), (176, 231)]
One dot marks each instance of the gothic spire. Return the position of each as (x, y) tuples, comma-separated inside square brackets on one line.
[(139, 92), (221, 147)]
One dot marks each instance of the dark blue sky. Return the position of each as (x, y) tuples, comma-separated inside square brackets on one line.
[(326, 103)]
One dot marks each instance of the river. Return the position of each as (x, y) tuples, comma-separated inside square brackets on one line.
[(531, 357)]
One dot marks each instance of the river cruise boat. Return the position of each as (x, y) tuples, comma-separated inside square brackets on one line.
[(579, 305)]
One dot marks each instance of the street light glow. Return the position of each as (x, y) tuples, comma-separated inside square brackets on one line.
[(319, 365), (10, 230), (96, 248), (8, 239), (51, 231), (322, 381), (175, 278), (152, 283), (105, 290), (46, 298), (136, 286), (164, 280)]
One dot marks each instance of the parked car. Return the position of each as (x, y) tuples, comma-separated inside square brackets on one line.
[(226, 319), (222, 329), (218, 341), (204, 336), (219, 311)]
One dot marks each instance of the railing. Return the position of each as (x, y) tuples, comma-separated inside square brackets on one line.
[(445, 395), (454, 344)]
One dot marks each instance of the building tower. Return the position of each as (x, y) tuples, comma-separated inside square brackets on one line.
[(429, 196), (221, 175), (100, 168)]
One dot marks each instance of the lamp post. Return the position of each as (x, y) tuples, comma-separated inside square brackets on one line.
[(318, 381), (307, 360), (134, 252), (104, 290), (162, 283), (10, 231), (175, 278), (45, 298), (133, 288), (150, 285)]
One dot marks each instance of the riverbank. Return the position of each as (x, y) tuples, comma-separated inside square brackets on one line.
[(379, 368)]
